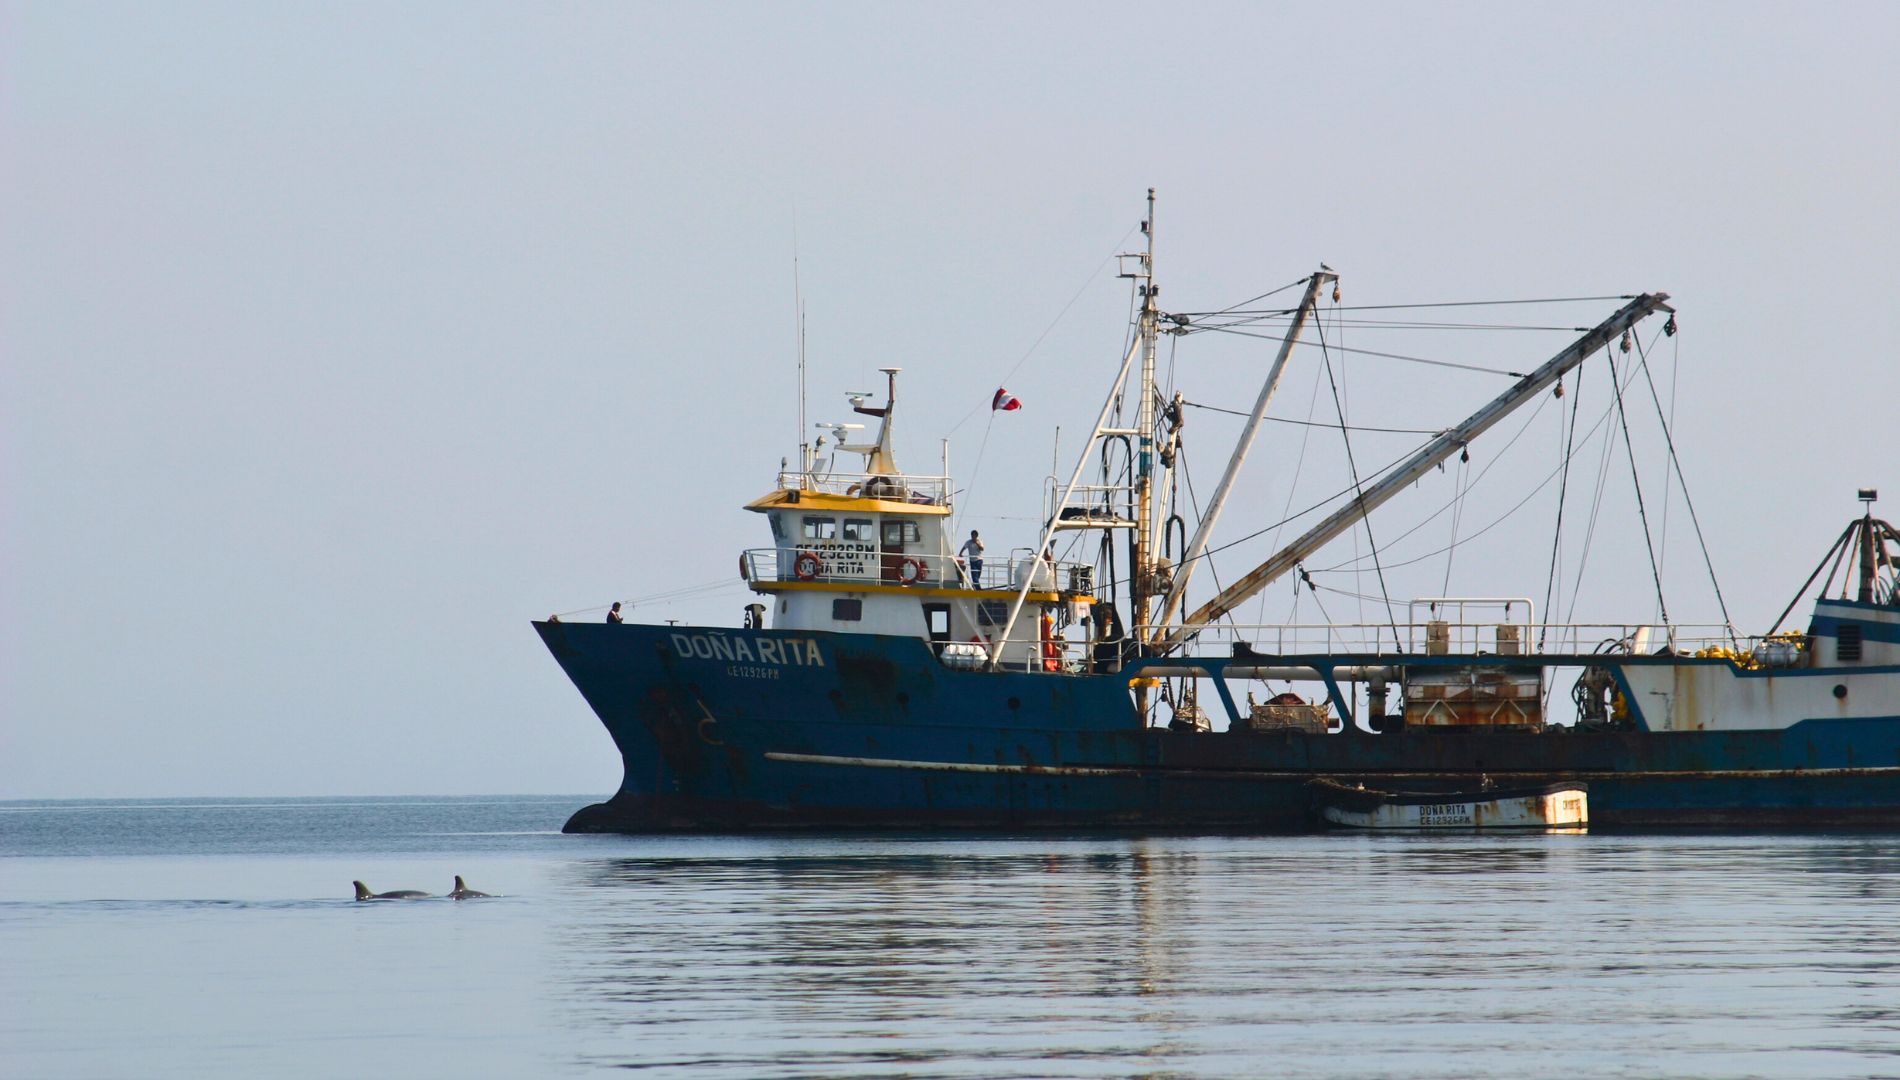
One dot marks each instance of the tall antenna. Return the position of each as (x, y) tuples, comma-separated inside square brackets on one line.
[(798, 314)]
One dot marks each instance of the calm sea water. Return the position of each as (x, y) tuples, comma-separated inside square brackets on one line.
[(218, 938)]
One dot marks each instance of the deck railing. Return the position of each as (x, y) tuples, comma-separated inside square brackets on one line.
[(1465, 638), (849, 562), (899, 487)]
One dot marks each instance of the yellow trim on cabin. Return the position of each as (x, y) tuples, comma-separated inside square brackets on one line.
[(826, 501), (913, 590)]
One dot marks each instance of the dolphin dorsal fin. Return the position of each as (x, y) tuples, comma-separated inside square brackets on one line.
[(458, 883), (362, 891)]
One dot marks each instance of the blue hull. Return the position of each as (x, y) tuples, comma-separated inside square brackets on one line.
[(746, 729)]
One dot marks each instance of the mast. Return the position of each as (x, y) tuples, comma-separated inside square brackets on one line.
[(1869, 546), (798, 315), (1142, 587), (1190, 558), (1439, 449)]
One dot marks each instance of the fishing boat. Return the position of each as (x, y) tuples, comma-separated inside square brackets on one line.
[(1563, 805), (880, 680)]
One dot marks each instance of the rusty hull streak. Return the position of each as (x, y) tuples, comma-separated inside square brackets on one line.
[(1202, 773)]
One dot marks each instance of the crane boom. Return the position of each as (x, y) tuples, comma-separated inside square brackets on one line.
[(1191, 558), (1440, 448)]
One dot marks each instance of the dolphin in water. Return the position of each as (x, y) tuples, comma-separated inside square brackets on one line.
[(363, 893), (463, 892)]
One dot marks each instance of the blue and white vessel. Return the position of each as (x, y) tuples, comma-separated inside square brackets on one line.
[(883, 681)]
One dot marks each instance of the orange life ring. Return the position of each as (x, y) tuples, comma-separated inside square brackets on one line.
[(807, 565), (909, 571), (745, 572)]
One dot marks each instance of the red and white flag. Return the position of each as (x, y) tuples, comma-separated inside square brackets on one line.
[(1004, 401)]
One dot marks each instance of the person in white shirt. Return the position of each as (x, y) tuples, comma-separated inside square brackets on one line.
[(972, 554)]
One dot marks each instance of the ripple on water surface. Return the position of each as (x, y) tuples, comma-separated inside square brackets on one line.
[(230, 947)]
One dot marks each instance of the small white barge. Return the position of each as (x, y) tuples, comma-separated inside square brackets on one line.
[(1552, 806)]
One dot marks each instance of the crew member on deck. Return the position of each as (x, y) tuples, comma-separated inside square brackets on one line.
[(613, 613), (972, 551)]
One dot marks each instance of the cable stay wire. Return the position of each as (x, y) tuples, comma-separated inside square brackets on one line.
[(1682, 482), (1440, 304), (1554, 473), (1194, 502), (687, 592), (1370, 352), (1320, 505), (1318, 424), (1053, 323), (1359, 491), (1450, 504), (1636, 481), (1601, 485), (1378, 324), (1568, 433), (1294, 284), (1596, 504), (1460, 488)]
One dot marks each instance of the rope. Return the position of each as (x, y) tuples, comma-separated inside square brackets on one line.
[(956, 526), (1314, 423), (1622, 417), (686, 592), (1369, 352), (1563, 491), (1398, 324), (1475, 481), (1359, 491), (1451, 550), (1194, 502), (1047, 330), (1687, 502), (1445, 304), (1596, 508)]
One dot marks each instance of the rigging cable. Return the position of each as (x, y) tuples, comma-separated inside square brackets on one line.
[(1475, 481), (1294, 284), (1299, 465), (1364, 352), (1316, 423), (975, 471), (1047, 330), (1285, 315), (1563, 490), (1445, 303), (1596, 504), (1603, 475), (1622, 417), (1194, 502), (1670, 442), (1359, 491), (1458, 500), (1406, 456)]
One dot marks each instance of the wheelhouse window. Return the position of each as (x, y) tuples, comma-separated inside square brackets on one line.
[(847, 610), (859, 530), (992, 612), (819, 528), (900, 531)]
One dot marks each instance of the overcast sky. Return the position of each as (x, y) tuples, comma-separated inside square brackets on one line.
[(338, 341)]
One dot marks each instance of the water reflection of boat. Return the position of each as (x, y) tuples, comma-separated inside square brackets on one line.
[(1562, 805), (884, 682)]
